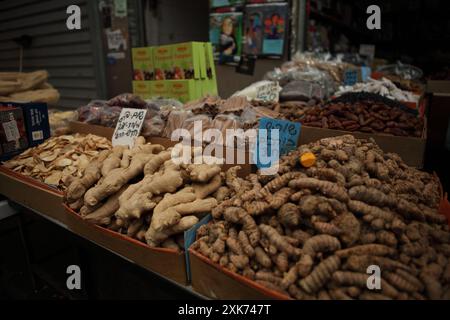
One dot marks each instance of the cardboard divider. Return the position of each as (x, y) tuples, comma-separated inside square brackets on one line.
[(168, 263), (216, 282), (410, 149), (33, 194)]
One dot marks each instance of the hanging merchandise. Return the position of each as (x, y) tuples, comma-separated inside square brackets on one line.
[(265, 28), (225, 34)]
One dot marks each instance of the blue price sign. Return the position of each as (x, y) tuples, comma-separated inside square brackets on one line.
[(350, 77), (286, 132)]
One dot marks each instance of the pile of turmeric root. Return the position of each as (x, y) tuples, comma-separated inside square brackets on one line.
[(142, 193), (321, 232)]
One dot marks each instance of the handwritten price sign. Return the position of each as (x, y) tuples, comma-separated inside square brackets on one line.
[(275, 138), (288, 132), (128, 126)]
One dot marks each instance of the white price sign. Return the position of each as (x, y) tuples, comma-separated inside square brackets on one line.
[(11, 130), (128, 126), (268, 92)]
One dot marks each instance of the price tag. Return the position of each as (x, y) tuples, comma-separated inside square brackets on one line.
[(11, 130), (287, 133), (365, 73), (350, 77), (268, 92), (128, 126)]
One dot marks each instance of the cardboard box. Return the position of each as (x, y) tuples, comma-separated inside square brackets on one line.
[(160, 89), (210, 84), (143, 68), (168, 263), (188, 60), (13, 135), (213, 281), (411, 150), (36, 122), (35, 116), (32, 194), (143, 89), (163, 62), (184, 90)]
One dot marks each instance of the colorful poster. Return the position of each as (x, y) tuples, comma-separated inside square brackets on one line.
[(225, 3), (225, 34), (265, 28)]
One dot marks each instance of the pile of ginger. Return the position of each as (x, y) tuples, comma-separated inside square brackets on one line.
[(142, 193), (312, 233)]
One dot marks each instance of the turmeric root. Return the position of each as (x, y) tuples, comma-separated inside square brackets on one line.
[(350, 228), (327, 228), (281, 261), (402, 283), (256, 208), (304, 265), (320, 274), (239, 261), (321, 243), (290, 277), (362, 262), (280, 197), (371, 196), (262, 258), (289, 215), (346, 278), (222, 193), (368, 249), (277, 240), (327, 188), (245, 244), (238, 215), (365, 209)]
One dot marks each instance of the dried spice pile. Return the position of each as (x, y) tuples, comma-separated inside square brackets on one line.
[(142, 193), (59, 159), (311, 233), (364, 116)]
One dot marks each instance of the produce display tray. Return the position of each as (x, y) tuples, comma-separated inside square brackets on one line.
[(168, 263), (211, 280), (32, 194), (410, 149)]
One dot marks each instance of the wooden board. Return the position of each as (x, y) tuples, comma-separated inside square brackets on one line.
[(168, 263), (213, 281), (32, 194)]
